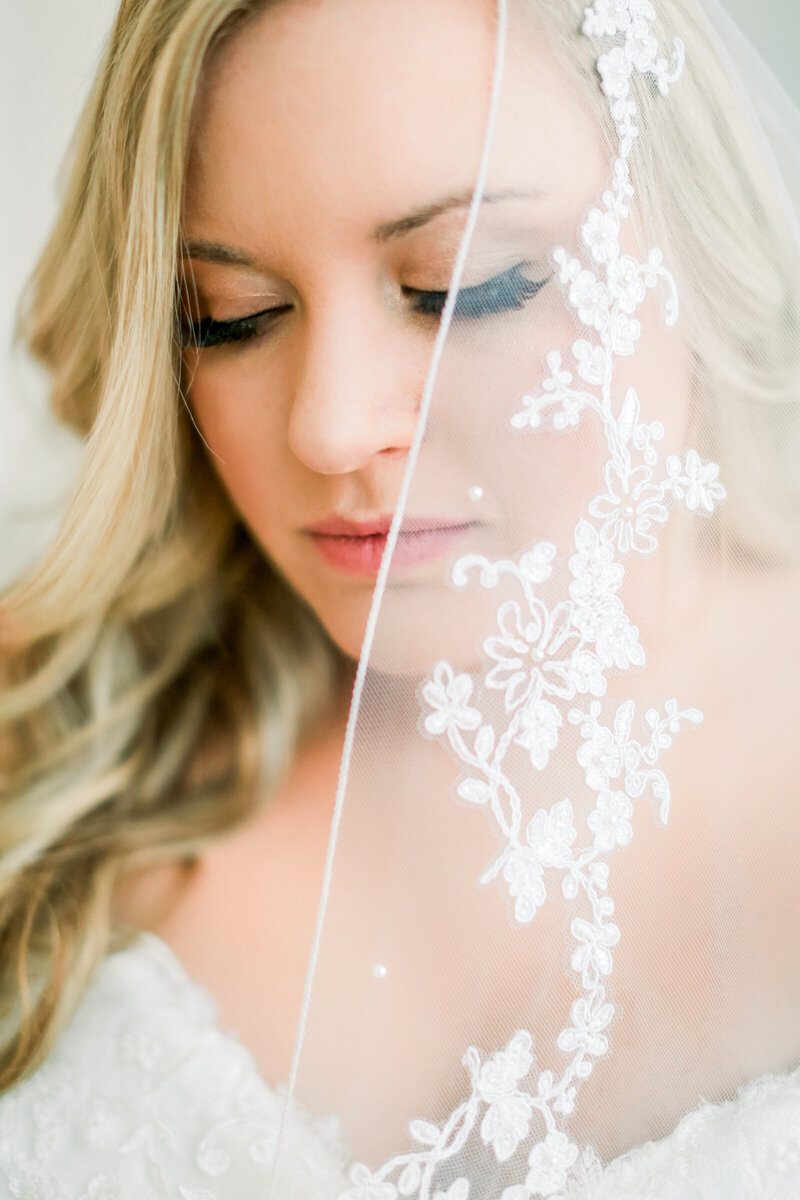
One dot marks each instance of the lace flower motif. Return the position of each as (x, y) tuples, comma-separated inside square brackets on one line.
[(696, 482), (549, 1162), (610, 820), (537, 731), (507, 1119), (448, 695), (544, 654)]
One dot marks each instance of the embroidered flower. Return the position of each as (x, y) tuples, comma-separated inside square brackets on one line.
[(625, 283), (625, 334), (551, 834), (591, 361), (601, 758), (588, 1022), (594, 952), (523, 874), (510, 650), (506, 1124), (586, 673), (596, 574), (607, 17), (610, 820), (642, 46), (539, 723), (598, 875), (617, 640), (524, 652), (615, 71), (501, 1073), (601, 234), (624, 113), (592, 300), (549, 1162), (629, 508), (448, 695), (536, 564), (699, 484)]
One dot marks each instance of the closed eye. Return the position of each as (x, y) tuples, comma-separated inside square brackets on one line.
[(503, 293), (207, 332)]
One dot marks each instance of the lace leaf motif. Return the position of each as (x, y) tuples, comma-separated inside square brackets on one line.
[(550, 665)]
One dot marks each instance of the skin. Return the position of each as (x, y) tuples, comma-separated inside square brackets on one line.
[(316, 416), (318, 125)]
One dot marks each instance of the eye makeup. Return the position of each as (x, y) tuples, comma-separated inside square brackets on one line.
[(206, 333), (502, 293), (505, 292)]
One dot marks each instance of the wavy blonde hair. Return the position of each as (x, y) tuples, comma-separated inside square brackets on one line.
[(157, 672)]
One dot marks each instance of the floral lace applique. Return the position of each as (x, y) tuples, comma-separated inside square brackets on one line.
[(144, 1098), (91, 1125), (549, 664)]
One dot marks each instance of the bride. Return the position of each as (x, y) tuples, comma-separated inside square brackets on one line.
[(398, 762)]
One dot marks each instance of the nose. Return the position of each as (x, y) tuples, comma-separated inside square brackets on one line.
[(358, 385)]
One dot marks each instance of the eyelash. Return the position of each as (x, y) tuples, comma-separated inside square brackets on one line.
[(208, 332), (503, 293)]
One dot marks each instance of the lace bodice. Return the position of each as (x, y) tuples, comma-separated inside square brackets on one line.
[(145, 1097)]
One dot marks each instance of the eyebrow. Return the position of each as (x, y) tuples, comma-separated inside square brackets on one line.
[(216, 252), (421, 216), (232, 256)]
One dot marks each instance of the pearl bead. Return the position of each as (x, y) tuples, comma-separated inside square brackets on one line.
[(379, 970), (475, 493)]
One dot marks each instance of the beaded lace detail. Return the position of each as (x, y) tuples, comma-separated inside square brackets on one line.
[(144, 1098), (547, 663)]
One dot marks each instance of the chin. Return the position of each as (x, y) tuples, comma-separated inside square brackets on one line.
[(418, 626)]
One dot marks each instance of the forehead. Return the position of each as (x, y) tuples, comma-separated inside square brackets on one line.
[(338, 114)]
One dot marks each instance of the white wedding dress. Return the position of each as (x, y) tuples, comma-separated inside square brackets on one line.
[(145, 1097)]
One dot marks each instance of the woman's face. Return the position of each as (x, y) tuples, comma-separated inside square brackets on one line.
[(334, 153)]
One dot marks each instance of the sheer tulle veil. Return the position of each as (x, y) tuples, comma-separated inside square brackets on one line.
[(559, 907)]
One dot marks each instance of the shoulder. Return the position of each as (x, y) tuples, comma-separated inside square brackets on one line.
[(145, 1096)]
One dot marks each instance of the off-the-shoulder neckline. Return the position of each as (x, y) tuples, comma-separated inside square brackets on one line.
[(788, 1080)]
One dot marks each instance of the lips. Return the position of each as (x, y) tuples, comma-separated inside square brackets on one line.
[(358, 546)]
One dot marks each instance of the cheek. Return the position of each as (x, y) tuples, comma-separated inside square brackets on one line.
[(242, 412), (534, 482), (538, 482), (239, 410)]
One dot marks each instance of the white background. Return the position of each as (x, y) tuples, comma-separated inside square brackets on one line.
[(48, 52)]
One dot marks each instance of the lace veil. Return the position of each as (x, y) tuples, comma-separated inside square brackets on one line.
[(559, 910)]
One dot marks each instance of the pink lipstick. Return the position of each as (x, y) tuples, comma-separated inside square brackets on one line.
[(358, 546)]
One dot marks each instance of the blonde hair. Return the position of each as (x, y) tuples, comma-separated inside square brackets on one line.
[(154, 630)]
